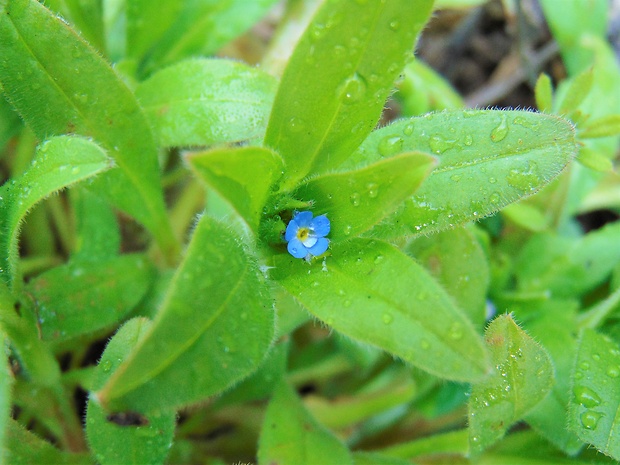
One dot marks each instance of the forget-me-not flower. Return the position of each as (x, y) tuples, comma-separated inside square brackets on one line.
[(306, 235)]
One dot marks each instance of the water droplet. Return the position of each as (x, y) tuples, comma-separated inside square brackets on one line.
[(347, 229), (590, 419), (495, 198), (475, 438), (501, 131), (390, 145), (355, 199), (106, 366), (316, 284), (586, 396), (329, 321), (75, 170), (387, 318), (394, 25), (492, 180), (408, 129), (296, 124), (468, 140), (613, 371), (244, 316), (378, 259), (347, 303), (373, 190), (456, 177), (317, 31), (456, 330), (596, 357), (422, 295), (440, 145), (353, 89), (584, 365)]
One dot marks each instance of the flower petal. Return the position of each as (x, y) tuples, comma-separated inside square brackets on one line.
[(320, 247), (291, 230), (296, 248), (303, 219), (320, 225)]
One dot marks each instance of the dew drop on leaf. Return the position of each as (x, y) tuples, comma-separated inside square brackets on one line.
[(387, 318), (390, 145), (613, 371), (586, 396), (501, 131), (355, 199), (353, 89), (590, 419)]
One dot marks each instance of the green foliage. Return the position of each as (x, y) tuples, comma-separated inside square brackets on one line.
[(156, 132)]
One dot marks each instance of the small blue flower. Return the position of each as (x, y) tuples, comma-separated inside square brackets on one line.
[(306, 235)]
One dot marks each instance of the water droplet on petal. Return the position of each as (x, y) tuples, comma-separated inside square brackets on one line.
[(408, 130)]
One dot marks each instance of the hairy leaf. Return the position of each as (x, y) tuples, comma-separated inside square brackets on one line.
[(374, 293), (204, 102), (522, 378), (337, 80), (487, 159), (59, 162), (214, 328)]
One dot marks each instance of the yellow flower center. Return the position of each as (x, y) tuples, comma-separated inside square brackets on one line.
[(302, 234)]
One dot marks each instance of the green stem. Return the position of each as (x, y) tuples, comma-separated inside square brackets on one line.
[(62, 222)]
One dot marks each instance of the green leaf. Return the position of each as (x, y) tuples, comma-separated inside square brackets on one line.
[(83, 297), (9, 121), (360, 199), (568, 267), (595, 401), (203, 102), (6, 381), (197, 27), (86, 17), (213, 329), (552, 323), (374, 458), (543, 93), (523, 377), (604, 126), (126, 438), (97, 230), (59, 162), (242, 175), (578, 89), (594, 160), (490, 157), (456, 260), (337, 80), (71, 89), (25, 448), (370, 291), (290, 436)]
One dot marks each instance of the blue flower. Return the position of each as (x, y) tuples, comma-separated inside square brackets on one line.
[(306, 235)]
